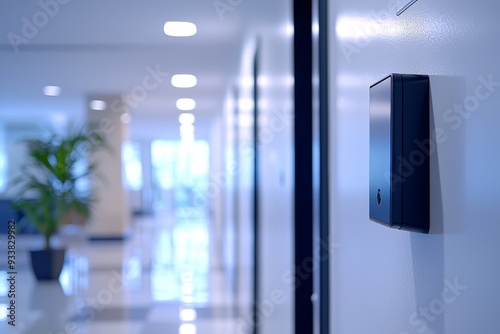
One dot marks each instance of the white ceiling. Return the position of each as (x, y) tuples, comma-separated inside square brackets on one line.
[(104, 47)]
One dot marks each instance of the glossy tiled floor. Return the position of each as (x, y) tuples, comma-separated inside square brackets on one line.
[(167, 277)]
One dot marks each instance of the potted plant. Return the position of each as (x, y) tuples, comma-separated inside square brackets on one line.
[(49, 189)]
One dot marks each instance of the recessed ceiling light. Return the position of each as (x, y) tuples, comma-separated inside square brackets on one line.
[(179, 29), (186, 118), (52, 90), (184, 80), (185, 104), (187, 134), (187, 329), (97, 105)]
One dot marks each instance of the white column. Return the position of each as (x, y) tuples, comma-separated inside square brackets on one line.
[(147, 188), (111, 213)]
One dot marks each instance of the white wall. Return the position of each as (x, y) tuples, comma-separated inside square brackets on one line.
[(276, 180), (275, 152), (216, 193), (389, 281)]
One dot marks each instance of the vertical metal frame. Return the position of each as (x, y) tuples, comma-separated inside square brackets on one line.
[(324, 212), (256, 209), (303, 148), (312, 300)]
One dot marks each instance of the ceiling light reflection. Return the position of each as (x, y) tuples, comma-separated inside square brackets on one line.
[(245, 104), (361, 29), (247, 82), (263, 81), (289, 29), (245, 120), (315, 28), (187, 314), (263, 104)]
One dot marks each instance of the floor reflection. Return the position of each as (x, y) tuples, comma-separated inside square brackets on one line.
[(160, 280)]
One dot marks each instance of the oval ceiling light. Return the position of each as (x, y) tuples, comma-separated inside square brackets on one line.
[(52, 90), (98, 105), (187, 329), (185, 104), (184, 80), (186, 118), (179, 29)]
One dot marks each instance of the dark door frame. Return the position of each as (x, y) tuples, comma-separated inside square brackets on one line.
[(303, 146), (256, 208), (311, 315), (322, 289)]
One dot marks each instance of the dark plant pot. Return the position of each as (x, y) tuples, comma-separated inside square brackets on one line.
[(47, 264)]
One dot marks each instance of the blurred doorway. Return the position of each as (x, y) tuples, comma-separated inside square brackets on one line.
[(180, 177)]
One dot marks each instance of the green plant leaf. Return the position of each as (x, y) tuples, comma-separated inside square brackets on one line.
[(46, 189)]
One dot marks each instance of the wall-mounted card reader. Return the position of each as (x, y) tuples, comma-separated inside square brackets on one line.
[(399, 152)]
